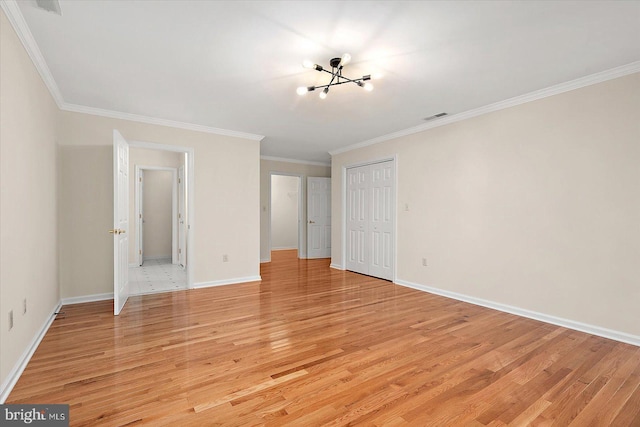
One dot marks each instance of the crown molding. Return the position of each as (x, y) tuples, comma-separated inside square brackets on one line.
[(75, 108), (12, 10), (14, 15), (302, 162), (592, 79)]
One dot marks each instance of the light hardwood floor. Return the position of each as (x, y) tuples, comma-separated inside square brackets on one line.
[(314, 346)]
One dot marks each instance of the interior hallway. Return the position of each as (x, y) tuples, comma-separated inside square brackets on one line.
[(156, 275)]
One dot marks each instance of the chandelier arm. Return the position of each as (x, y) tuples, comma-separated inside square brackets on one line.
[(336, 84)]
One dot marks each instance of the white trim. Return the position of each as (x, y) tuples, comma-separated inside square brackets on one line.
[(559, 321), (154, 257), (21, 364), (301, 162), (263, 260), (592, 79), (284, 249), (87, 298), (336, 266), (157, 121), (12, 10), (224, 282), (133, 265)]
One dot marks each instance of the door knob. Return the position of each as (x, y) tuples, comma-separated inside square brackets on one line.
[(117, 231), (312, 222)]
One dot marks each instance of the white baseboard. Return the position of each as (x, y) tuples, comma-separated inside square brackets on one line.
[(336, 266), (226, 282), (21, 364), (134, 265), (152, 257), (284, 248), (87, 298), (263, 260), (559, 321)]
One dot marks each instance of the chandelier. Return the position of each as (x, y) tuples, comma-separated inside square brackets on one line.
[(336, 76)]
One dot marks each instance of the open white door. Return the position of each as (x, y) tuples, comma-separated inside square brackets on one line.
[(182, 229), (120, 229), (318, 217)]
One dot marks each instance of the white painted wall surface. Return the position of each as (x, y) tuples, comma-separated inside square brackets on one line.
[(158, 193), (535, 206), (284, 211), (227, 189), (28, 201)]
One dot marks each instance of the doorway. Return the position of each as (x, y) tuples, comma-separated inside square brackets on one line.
[(124, 189), (285, 212), (156, 224)]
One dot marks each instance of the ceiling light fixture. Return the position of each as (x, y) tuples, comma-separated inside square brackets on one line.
[(336, 76)]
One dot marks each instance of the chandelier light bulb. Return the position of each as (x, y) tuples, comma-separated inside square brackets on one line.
[(324, 93), (346, 58), (302, 90), (368, 87), (308, 64)]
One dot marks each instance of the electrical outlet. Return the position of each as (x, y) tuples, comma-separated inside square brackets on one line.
[(24, 306), (424, 262), (11, 320), (225, 258)]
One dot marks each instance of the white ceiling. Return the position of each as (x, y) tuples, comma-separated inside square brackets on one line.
[(236, 64)]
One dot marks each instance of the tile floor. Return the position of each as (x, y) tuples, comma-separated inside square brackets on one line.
[(156, 275)]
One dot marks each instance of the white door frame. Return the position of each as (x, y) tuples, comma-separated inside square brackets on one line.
[(190, 181), (394, 212), (302, 251), (174, 208)]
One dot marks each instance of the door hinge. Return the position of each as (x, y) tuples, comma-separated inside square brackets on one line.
[(140, 215), (140, 251), (179, 251), (179, 181), (140, 179), (179, 215)]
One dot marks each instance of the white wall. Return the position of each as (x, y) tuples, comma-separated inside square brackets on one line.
[(158, 213), (284, 212), (227, 188), (305, 170), (28, 203), (535, 206)]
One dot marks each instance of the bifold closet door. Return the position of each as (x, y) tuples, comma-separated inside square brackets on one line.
[(357, 219), (370, 239)]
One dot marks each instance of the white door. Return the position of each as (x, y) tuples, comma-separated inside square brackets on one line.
[(120, 222), (140, 218), (182, 229), (357, 219), (318, 217), (370, 219), (381, 220)]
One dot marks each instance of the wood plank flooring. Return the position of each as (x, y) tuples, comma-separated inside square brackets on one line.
[(313, 346)]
